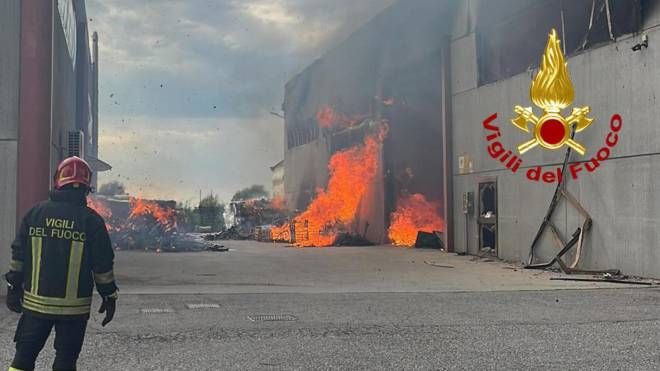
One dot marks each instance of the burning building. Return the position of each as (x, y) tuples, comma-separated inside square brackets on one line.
[(431, 72), (364, 131)]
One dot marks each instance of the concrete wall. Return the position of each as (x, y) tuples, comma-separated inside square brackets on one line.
[(278, 179), (306, 169), (9, 118), (620, 195)]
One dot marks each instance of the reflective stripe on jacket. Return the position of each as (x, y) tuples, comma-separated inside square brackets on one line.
[(63, 250)]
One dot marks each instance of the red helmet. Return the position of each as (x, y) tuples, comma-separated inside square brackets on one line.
[(73, 170)]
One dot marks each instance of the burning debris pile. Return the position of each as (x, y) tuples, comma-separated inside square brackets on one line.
[(138, 224), (251, 219), (281, 233), (149, 225), (135, 223), (414, 214)]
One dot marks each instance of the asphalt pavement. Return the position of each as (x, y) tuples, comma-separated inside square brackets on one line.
[(269, 307)]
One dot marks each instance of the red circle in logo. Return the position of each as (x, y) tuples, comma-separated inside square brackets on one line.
[(552, 131)]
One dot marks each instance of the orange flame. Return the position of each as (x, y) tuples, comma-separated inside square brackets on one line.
[(164, 216), (282, 233), (352, 171), (414, 213), (329, 118), (102, 209)]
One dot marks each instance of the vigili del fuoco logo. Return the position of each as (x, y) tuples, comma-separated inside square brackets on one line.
[(551, 91)]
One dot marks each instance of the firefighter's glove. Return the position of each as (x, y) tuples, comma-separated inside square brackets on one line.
[(14, 294), (108, 307)]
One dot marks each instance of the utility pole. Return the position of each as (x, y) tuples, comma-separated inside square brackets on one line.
[(95, 99)]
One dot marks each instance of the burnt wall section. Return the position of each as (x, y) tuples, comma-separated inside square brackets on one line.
[(413, 149), (511, 34), (389, 69)]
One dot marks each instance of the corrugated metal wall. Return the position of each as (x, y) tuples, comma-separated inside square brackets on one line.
[(64, 95)]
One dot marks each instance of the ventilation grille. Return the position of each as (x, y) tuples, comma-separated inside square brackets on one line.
[(76, 144)]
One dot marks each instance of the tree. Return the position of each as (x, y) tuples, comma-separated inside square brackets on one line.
[(112, 189), (187, 217), (250, 193), (211, 212)]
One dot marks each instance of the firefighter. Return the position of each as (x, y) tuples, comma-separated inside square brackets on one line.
[(61, 251)]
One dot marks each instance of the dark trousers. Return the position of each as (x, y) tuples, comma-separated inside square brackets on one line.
[(32, 333)]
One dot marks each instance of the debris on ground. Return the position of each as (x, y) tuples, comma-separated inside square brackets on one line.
[(434, 264), (218, 248), (484, 258), (139, 224), (610, 279), (487, 250), (431, 240), (348, 239), (232, 233)]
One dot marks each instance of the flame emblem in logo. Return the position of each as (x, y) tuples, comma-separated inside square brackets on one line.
[(552, 91)]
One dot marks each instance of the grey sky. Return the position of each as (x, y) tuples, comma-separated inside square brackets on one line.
[(187, 86)]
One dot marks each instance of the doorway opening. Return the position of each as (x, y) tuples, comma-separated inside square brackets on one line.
[(487, 220)]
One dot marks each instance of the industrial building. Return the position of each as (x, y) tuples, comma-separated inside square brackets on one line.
[(391, 70), (278, 179), (48, 101), (435, 71)]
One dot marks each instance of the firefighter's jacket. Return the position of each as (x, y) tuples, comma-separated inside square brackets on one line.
[(61, 251)]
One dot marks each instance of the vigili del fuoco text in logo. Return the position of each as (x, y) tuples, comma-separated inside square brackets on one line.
[(551, 91)]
